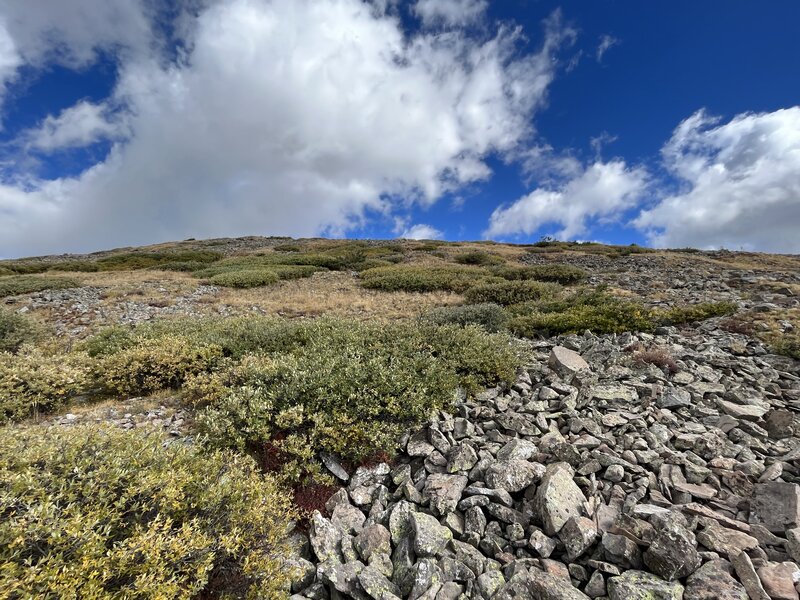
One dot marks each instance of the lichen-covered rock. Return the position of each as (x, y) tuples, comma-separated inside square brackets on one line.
[(673, 553), (557, 498), (713, 581), (513, 475), (444, 491), (640, 585), (430, 538)]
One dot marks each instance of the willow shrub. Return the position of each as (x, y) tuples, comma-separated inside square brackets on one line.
[(506, 293), (345, 387), (16, 329), (33, 382), (27, 284), (96, 513), (690, 313), (491, 317), (422, 278), (245, 279)]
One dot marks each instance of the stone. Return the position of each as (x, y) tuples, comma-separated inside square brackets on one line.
[(342, 577), (613, 392), (596, 586), (713, 581), (726, 542), (430, 537), (557, 498), (348, 518), (793, 543), (639, 585), (673, 553), (750, 412), (518, 449), (418, 445), (325, 538), (513, 475), (546, 586), (443, 492), (747, 575), (620, 550), (400, 521), (334, 466), (306, 571), (615, 473), (541, 544), (674, 398), (373, 539), (776, 505), (779, 580), (377, 586), (426, 577), (489, 583), (780, 424), (566, 362), (578, 535), (461, 457), (450, 591)]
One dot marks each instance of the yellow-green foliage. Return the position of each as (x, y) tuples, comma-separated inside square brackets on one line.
[(787, 345), (5, 271), (563, 274), (418, 278), (476, 257), (245, 279), (153, 364), (101, 513), (491, 317), (507, 293), (690, 313), (33, 382), (346, 387), (15, 330), (27, 284), (129, 261)]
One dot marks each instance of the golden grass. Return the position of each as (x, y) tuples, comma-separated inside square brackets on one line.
[(333, 293)]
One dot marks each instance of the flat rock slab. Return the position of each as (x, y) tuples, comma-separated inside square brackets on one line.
[(776, 505), (566, 362)]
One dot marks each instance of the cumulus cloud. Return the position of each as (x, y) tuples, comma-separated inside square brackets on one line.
[(80, 125), (601, 193), (450, 12), (293, 117), (741, 184), (421, 232)]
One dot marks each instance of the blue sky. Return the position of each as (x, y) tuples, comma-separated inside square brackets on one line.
[(664, 124)]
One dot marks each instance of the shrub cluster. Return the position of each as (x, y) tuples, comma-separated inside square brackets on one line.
[(419, 278), (245, 279), (15, 330), (492, 317), (102, 513), (28, 284), (476, 257), (34, 382), (506, 293), (680, 315)]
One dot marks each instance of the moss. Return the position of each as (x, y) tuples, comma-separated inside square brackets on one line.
[(103, 513)]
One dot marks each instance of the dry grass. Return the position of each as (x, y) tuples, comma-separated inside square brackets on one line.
[(333, 293)]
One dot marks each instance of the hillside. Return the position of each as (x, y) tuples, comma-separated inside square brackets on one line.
[(261, 417)]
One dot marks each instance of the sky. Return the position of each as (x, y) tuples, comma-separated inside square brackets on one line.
[(128, 122)]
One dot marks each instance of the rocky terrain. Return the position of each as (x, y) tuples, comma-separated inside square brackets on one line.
[(592, 477)]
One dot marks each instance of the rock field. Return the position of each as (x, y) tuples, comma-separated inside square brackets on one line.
[(594, 476)]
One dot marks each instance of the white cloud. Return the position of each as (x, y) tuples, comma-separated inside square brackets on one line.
[(742, 184), (287, 117), (421, 232), (80, 125), (602, 192), (450, 12), (606, 43)]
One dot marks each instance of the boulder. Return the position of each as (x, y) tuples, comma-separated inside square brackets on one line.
[(566, 362), (673, 553), (639, 585), (557, 498), (443, 492)]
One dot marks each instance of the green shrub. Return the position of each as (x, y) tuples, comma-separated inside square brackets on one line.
[(245, 279), (418, 278), (25, 267), (131, 261), (491, 317), (506, 293), (557, 273), (185, 266), (75, 266), (15, 330), (680, 315), (32, 382), (154, 364), (5, 271), (27, 284), (476, 257), (287, 248), (97, 513), (786, 345), (595, 311), (345, 387)]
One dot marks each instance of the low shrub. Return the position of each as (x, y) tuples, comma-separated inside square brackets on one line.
[(101, 513), (154, 364), (345, 387), (595, 310), (419, 278), (506, 293), (5, 271), (476, 257), (786, 345), (288, 248), (491, 317), (32, 382), (185, 266), (25, 267), (131, 261), (75, 266), (658, 357), (680, 315), (738, 324), (15, 330), (28, 284), (557, 273), (245, 279)]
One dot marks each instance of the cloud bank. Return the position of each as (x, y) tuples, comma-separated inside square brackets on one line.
[(292, 117)]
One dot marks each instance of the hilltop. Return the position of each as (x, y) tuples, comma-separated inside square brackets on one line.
[(415, 419)]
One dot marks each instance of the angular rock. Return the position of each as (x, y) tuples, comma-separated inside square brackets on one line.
[(713, 581), (325, 538), (724, 541), (513, 475), (674, 398), (418, 445), (342, 577), (461, 457), (443, 492), (550, 587), (430, 538), (748, 576), (557, 498), (750, 412), (377, 586), (619, 550), (517, 449), (348, 518), (566, 362), (373, 539), (578, 535), (673, 553), (639, 585), (777, 505), (779, 580)]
